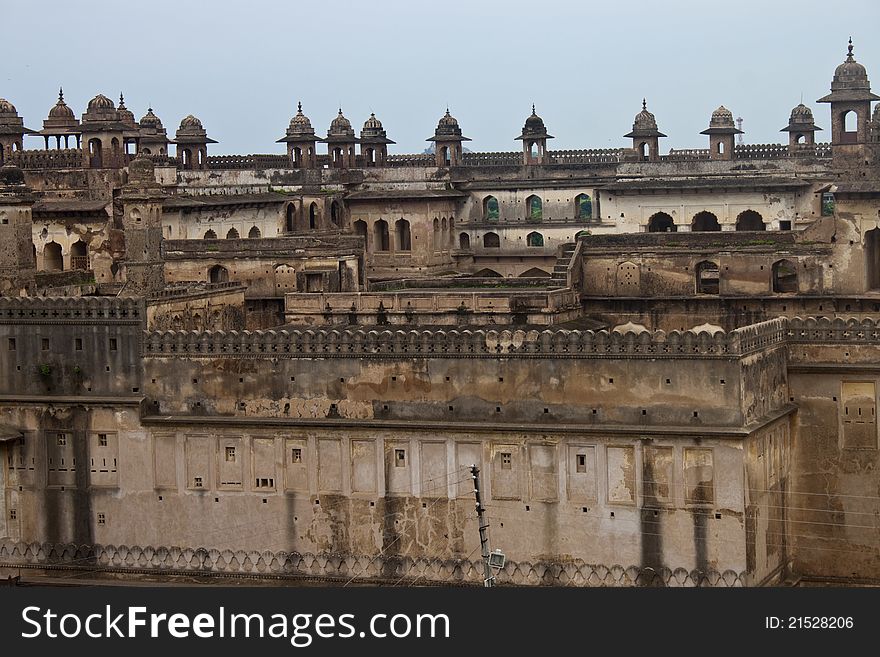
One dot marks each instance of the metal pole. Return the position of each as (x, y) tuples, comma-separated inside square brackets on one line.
[(488, 577)]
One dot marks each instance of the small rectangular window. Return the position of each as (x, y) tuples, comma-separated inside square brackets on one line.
[(296, 455), (11, 343), (102, 519), (197, 482), (506, 460), (113, 344), (785, 224), (102, 439), (265, 482), (399, 458), (230, 454), (78, 344), (44, 344), (581, 462), (62, 439), (13, 514)]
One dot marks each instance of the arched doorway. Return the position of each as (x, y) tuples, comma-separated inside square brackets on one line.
[(705, 222), (534, 208), (218, 274), (750, 220), (210, 235), (491, 210), (707, 277), (232, 234), (402, 235), (464, 241), (290, 218), (534, 272), (79, 255), (360, 228), (380, 236), (661, 223), (785, 276), (487, 273), (335, 213), (96, 155), (313, 216), (254, 233), (52, 259), (583, 206)]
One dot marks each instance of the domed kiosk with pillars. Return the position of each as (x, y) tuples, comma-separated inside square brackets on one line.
[(192, 144), (301, 140), (103, 135), (153, 136), (534, 139), (61, 124), (374, 143), (447, 141), (645, 135), (721, 132), (12, 130), (341, 142), (801, 127)]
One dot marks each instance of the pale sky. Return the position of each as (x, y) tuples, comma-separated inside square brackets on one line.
[(241, 66)]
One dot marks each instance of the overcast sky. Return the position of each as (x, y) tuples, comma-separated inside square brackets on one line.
[(241, 66)]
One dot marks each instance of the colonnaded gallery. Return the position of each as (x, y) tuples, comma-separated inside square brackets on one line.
[(664, 363)]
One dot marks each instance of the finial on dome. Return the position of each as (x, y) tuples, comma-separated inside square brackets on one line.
[(533, 109), (121, 99), (299, 106), (644, 104), (447, 110), (849, 55), (61, 94)]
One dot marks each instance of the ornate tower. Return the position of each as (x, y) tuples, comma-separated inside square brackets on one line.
[(142, 225), (61, 123), (300, 140), (534, 139), (153, 136), (447, 141), (801, 128), (192, 144), (850, 98), (341, 142), (721, 133), (374, 143), (103, 135), (12, 131), (17, 262), (645, 135)]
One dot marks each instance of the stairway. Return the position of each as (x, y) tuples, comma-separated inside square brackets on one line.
[(560, 269)]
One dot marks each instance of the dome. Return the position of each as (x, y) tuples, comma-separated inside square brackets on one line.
[(61, 110), (150, 120), (448, 126), (801, 114), (534, 128), (850, 72), (191, 122), (300, 123), (721, 118), (340, 127), (645, 120), (100, 102), (9, 173), (6, 107), (372, 123)]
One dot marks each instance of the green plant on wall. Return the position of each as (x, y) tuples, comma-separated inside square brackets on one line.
[(44, 370)]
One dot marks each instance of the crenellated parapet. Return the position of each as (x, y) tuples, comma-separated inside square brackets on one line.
[(57, 159), (823, 330), (329, 343), (71, 310)]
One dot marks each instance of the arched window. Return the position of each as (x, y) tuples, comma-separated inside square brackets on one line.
[(661, 223), (534, 239), (785, 276), (96, 156), (487, 273), (334, 213), (402, 235), (290, 222), (800, 138), (232, 234), (210, 235), (720, 147), (849, 121), (491, 210), (186, 158), (360, 228), (707, 277), (313, 216), (705, 221), (464, 241), (52, 260), (444, 155), (436, 225), (583, 206), (79, 255), (297, 157), (254, 233), (491, 241), (534, 208), (145, 151), (380, 236), (218, 274), (750, 220), (643, 150)]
